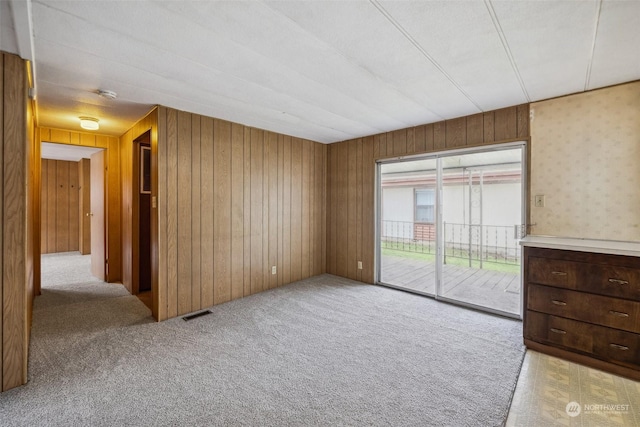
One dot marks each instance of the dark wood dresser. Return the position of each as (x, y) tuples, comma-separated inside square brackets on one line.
[(582, 302)]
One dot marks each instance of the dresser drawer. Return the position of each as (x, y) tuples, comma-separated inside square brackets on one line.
[(612, 280), (553, 272), (617, 346), (607, 311), (558, 331), (608, 344)]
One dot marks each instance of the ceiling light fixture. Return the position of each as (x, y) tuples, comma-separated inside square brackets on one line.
[(107, 94), (89, 123)]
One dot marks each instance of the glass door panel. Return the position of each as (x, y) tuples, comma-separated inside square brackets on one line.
[(481, 210), (408, 225)]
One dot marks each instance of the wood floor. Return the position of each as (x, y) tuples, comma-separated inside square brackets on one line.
[(493, 289)]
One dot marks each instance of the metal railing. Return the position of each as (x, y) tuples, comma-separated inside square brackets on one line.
[(475, 243)]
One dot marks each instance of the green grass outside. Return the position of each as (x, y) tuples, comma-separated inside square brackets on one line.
[(430, 257)]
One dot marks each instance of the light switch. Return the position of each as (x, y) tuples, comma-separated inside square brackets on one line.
[(273, 269), (539, 201)]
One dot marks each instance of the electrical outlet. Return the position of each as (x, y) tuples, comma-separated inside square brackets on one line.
[(273, 269), (539, 201), (359, 265)]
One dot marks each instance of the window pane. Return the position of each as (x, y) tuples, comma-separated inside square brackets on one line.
[(425, 205)]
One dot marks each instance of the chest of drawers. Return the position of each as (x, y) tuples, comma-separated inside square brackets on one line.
[(584, 307)]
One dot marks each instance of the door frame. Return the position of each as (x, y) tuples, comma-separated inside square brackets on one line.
[(136, 145), (108, 276), (438, 155)]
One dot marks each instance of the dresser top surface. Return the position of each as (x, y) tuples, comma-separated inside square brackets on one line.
[(583, 245)]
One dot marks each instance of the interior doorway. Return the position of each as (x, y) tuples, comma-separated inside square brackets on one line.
[(449, 225), (142, 211), (72, 203)]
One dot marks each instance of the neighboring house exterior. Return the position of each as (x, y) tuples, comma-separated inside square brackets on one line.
[(409, 208)]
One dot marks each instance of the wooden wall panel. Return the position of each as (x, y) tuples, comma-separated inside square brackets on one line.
[(113, 207), (16, 280), (256, 210), (62, 206), (306, 211), (196, 219), (60, 223), (237, 211), (456, 132), (50, 208), (207, 203), (184, 233), (271, 161), (246, 205), (352, 226), (351, 167), (74, 207), (44, 199), (368, 213), (172, 211), (285, 272), (160, 240), (221, 212), (261, 204), (296, 209), (84, 206), (129, 211)]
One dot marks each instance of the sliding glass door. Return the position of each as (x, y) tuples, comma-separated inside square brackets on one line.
[(408, 225), (449, 225)]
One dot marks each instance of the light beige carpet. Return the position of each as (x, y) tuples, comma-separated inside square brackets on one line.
[(324, 351)]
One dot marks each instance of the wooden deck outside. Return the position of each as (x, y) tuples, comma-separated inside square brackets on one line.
[(493, 289)]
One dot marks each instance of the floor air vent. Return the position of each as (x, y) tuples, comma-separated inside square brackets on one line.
[(196, 315)]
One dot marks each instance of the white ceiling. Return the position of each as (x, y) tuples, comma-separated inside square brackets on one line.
[(72, 153), (322, 70)]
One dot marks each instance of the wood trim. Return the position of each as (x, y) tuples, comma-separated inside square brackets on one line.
[(159, 215), (113, 192), (14, 163)]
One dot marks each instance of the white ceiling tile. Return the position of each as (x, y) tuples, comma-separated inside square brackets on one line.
[(8, 41), (550, 41), (618, 29), (324, 71), (364, 36), (462, 39)]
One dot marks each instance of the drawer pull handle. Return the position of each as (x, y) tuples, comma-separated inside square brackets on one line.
[(619, 347), (618, 313), (559, 331), (558, 273), (556, 302), (619, 281)]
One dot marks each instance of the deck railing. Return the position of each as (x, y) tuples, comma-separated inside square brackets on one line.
[(475, 243)]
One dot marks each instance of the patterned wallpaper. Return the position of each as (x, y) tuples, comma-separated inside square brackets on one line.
[(585, 160)]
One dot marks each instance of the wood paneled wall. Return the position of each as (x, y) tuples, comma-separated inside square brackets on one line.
[(351, 177), (234, 201), (112, 183), (60, 204), (16, 256), (84, 206)]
